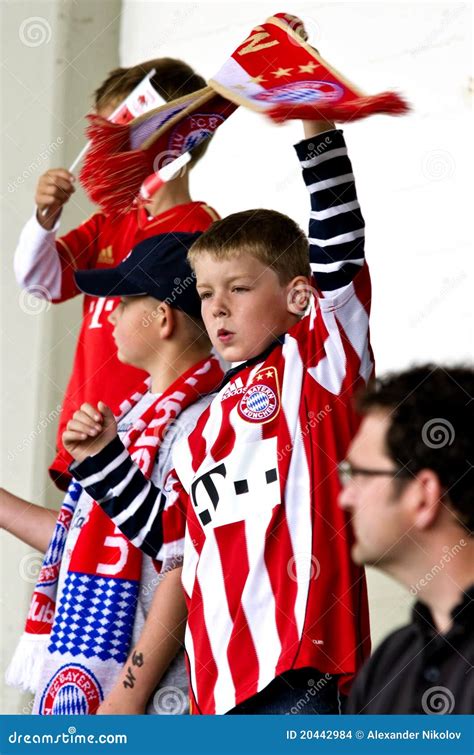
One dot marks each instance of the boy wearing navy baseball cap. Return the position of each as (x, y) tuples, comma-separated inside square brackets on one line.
[(119, 616)]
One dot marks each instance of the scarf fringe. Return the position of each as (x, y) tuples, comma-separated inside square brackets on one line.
[(25, 667), (386, 102)]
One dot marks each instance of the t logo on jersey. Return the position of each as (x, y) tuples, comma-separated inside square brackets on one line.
[(244, 485), (261, 401)]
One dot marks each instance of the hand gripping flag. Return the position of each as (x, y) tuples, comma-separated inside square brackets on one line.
[(274, 71)]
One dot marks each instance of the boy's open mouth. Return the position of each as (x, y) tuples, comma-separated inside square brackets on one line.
[(224, 335)]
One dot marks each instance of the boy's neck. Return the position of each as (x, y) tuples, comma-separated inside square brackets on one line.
[(170, 195), (169, 366)]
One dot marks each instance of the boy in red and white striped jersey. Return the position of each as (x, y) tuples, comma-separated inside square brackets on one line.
[(278, 617)]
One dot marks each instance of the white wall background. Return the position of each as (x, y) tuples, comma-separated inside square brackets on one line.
[(413, 177)]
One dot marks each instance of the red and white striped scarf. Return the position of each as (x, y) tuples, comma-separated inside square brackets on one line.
[(91, 557)]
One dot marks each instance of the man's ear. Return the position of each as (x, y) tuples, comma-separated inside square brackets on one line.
[(299, 294), (428, 499)]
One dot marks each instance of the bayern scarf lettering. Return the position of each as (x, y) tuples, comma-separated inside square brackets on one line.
[(274, 71), (89, 632)]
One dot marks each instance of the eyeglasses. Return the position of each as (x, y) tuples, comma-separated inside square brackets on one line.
[(347, 472)]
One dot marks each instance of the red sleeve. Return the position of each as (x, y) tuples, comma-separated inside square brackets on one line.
[(78, 250), (333, 339)]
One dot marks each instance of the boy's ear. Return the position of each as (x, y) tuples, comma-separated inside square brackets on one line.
[(167, 318), (299, 294)]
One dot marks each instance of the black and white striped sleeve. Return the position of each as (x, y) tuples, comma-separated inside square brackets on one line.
[(132, 501), (336, 225)]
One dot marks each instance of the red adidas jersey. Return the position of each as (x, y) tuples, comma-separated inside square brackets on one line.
[(103, 242), (267, 570)]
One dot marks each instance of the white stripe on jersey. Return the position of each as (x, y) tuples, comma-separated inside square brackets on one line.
[(330, 182), (191, 560), (330, 371), (342, 238), (331, 267), (210, 431), (99, 476), (189, 645), (313, 161), (216, 614), (298, 485), (355, 321), (134, 506), (333, 211), (120, 487), (258, 601)]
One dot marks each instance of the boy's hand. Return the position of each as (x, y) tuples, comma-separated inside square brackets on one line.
[(89, 431), (52, 192)]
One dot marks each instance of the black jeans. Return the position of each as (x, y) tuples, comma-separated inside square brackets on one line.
[(304, 691)]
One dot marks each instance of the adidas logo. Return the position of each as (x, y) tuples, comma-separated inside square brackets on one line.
[(106, 256)]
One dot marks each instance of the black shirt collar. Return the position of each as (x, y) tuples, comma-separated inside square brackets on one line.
[(462, 614), (254, 360)]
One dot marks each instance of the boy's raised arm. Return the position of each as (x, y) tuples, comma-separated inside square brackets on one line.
[(336, 225)]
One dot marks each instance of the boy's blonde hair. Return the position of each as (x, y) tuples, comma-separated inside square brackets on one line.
[(271, 237)]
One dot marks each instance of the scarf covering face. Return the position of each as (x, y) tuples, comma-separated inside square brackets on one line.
[(274, 71), (86, 638)]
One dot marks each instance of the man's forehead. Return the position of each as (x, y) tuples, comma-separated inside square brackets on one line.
[(370, 438)]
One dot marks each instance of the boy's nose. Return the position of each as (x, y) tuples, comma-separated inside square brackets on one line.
[(220, 307)]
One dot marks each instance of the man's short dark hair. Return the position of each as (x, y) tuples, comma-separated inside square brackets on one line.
[(431, 412)]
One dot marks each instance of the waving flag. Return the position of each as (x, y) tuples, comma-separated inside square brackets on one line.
[(274, 71)]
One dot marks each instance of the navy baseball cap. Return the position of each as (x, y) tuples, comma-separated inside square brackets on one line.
[(155, 267)]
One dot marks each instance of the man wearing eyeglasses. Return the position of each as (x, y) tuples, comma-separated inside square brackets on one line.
[(408, 484)]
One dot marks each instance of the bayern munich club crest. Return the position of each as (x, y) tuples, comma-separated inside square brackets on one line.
[(73, 691), (300, 92), (192, 131), (261, 401)]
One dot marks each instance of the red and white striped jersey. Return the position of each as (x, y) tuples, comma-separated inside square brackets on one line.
[(268, 577), (267, 569)]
